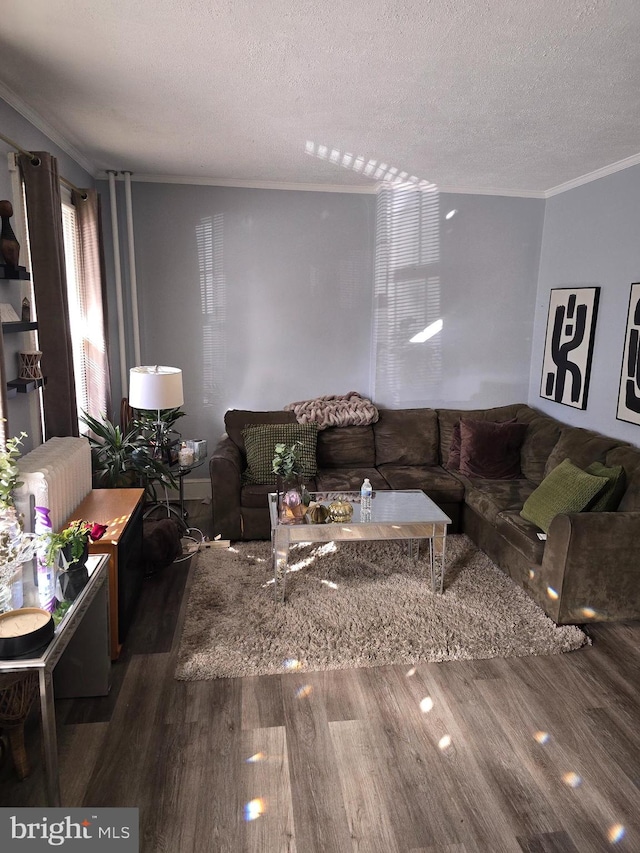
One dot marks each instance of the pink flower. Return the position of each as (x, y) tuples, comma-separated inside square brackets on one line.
[(292, 498), (97, 531)]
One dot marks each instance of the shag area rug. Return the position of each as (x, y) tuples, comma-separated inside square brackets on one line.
[(354, 604)]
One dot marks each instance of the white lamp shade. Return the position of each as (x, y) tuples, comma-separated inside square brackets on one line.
[(155, 387)]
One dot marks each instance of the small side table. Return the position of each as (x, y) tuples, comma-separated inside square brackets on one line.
[(86, 672), (181, 473), (122, 511), (170, 510)]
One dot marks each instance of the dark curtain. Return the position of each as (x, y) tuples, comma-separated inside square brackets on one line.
[(44, 215), (95, 335)]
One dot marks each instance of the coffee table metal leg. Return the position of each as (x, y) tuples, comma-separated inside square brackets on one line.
[(280, 549), (414, 548), (437, 549)]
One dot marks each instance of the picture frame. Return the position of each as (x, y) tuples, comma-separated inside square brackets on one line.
[(629, 393), (568, 347)]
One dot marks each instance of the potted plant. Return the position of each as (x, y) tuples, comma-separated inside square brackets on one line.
[(16, 546), (121, 459), (292, 497), (9, 471), (160, 434), (67, 551)]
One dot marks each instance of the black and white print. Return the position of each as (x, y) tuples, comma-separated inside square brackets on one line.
[(629, 397), (569, 345)]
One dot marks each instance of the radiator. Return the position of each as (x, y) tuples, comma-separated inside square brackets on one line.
[(57, 475)]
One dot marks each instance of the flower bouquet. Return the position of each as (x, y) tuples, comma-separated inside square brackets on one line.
[(67, 551)]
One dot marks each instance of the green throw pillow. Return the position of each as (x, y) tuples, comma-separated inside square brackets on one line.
[(565, 489), (260, 442), (611, 495)]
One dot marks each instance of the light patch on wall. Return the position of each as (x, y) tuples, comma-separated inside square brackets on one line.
[(451, 214), (431, 330), (407, 287), (371, 168)]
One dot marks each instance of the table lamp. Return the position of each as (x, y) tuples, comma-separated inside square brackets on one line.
[(155, 387)]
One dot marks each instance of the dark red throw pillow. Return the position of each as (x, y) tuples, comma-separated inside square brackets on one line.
[(491, 450)]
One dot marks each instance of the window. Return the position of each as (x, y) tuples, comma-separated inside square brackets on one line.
[(86, 323), (76, 305)]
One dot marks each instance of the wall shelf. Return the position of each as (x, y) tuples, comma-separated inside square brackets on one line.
[(9, 273), (24, 386), (19, 326)]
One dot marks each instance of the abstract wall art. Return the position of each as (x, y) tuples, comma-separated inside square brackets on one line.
[(568, 347), (629, 396)]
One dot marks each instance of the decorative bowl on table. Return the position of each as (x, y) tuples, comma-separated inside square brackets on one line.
[(25, 632)]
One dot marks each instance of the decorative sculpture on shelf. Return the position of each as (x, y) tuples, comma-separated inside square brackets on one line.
[(30, 365), (9, 246)]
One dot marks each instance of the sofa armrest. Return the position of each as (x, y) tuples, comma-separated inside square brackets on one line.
[(591, 564), (225, 470)]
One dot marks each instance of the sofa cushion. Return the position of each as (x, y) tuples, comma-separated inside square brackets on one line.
[(340, 447), (447, 419), (490, 497), (406, 437), (235, 420), (491, 450), (609, 497), (540, 438), (348, 479), (452, 462), (437, 483), (566, 489), (260, 442), (521, 534), (629, 458), (581, 446)]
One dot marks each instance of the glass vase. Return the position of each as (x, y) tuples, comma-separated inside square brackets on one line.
[(292, 500)]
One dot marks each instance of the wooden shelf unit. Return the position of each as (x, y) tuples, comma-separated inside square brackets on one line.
[(25, 386), (19, 326), (14, 274)]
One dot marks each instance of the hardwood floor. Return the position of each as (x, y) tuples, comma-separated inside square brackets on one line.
[(526, 754)]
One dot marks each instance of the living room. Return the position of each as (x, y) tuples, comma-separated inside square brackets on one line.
[(267, 284)]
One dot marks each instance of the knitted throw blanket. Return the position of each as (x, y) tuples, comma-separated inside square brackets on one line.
[(352, 409)]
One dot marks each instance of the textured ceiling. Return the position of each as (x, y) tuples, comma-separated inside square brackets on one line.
[(496, 95)]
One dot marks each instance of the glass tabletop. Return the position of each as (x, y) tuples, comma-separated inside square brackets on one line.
[(64, 613), (387, 507)]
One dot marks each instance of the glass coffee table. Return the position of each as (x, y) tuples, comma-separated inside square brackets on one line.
[(409, 515)]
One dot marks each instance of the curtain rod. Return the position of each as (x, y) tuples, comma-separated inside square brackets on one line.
[(33, 159)]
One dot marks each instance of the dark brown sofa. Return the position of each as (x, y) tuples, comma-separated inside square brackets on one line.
[(586, 570)]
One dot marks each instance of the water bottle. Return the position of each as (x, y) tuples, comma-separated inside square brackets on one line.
[(365, 496)]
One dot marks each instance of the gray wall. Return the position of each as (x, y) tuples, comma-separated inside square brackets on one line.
[(490, 258), (591, 237), (264, 297)]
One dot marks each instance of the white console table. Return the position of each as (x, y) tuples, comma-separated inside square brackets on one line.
[(79, 653)]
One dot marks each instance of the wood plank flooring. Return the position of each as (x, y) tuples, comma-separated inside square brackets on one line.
[(540, 755)]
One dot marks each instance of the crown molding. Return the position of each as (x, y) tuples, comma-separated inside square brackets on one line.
[(371, 189), (611, 169), (44, 127), (229, 182), (493, 191)]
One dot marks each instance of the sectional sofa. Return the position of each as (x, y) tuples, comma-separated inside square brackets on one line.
[(586, 569)]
